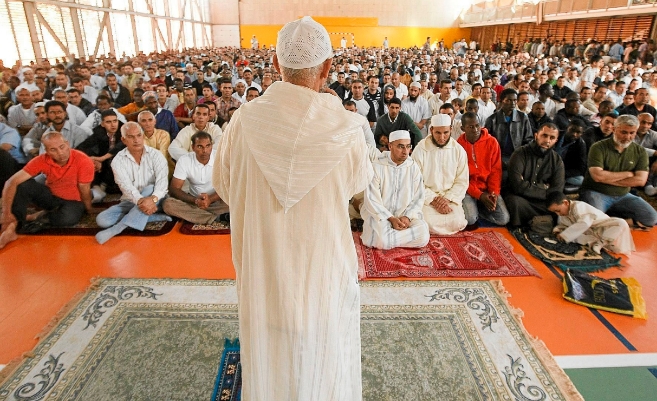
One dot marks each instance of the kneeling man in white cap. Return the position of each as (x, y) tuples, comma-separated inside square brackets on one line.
[(444, 166), (392, 210)]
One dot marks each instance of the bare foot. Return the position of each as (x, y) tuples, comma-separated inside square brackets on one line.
[(8, 235), (34, 216)]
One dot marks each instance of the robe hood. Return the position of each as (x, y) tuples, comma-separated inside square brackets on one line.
[(297, 136)]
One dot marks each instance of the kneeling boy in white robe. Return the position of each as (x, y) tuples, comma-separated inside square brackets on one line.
[(586, 225), (392, 209), (444, 166)]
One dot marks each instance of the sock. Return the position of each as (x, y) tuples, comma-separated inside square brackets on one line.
[(105, 235)]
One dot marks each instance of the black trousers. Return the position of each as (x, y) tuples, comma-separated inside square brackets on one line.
[(61, 212), (8, 167), (522, 210)]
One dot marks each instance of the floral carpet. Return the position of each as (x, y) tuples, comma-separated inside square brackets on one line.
[(141, 339), (204, 229), (466, 254)]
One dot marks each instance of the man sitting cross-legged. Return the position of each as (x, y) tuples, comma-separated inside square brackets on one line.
[(141, 173), (201, 205), (617, 164), (444, 167), (535, 171), (482, 198), (65, 196), (392, 210)]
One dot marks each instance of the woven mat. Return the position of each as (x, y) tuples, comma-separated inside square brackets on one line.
[(215, 228), (465, 255), (163, 339), (564, 255)]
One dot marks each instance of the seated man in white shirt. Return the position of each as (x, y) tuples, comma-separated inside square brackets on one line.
[(201, 205), (182, 144), (392, 210), (444, 166), (141, 172)]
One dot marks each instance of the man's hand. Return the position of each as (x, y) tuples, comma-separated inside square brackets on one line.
[(146, 205), (488, 200), (202, 201), (406, 221), (397, 224), (97, 165), (441, 205)]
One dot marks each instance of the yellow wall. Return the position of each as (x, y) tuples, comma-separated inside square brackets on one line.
[(365, 35)]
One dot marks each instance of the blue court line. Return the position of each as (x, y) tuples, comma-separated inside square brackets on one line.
[(620, 337), (653, 371)]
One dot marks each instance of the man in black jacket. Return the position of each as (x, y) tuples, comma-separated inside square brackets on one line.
[(640, 105), (119, 94), (535, 170), (101, 147)]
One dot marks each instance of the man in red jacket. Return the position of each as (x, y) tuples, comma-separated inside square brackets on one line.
[(482, 198)]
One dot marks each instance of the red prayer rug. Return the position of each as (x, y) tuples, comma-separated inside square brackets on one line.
[(462, 255)]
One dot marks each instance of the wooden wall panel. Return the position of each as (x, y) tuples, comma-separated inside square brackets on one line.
[(601, 29)]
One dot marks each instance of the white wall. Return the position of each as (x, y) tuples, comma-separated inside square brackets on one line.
[(425, 13)]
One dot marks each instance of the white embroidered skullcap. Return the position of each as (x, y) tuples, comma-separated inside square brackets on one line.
[(303, 43), (24, 69), (21, 87), (40, 104), (441, 120), (399, 134), (415, 85), (148, 94), (240, 81)]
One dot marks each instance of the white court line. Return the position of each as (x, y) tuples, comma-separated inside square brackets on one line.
[(606, 360)]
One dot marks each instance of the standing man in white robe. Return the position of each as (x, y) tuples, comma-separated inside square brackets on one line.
[(392, 211), (444, 166), (287, 166)]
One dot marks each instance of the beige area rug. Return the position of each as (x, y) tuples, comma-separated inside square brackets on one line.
[(130, 339)]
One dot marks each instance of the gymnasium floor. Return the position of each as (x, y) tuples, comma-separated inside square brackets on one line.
[(608, 356)]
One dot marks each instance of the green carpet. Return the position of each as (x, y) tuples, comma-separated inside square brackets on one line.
[(129, 339), (613, 384)]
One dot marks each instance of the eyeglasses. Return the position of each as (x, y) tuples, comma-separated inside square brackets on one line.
[(402, 146)]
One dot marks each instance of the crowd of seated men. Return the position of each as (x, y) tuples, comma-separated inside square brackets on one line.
[(455, 135)]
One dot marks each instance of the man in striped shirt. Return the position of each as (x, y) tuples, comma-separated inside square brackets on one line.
[(141, 173)]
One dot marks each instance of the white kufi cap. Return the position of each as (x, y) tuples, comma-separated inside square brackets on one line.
[(415, 85), (303, 43), (441, 120), (399, 134)]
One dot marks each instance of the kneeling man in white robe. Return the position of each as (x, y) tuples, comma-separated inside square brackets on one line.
[(586, 225), (444, 166), (392, 210)]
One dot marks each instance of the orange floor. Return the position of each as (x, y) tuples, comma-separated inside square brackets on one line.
[(40, 274)]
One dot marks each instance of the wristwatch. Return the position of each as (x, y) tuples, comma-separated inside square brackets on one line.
[(155, 198)]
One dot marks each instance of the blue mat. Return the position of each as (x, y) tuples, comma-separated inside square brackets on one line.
[(228, 386)]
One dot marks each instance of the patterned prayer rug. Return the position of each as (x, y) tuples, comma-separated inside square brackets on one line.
[(466, 254), (564, 255), (228, 385), (204, 229), (146, 339)]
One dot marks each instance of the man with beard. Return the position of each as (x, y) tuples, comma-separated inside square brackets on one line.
[(444, 167), (395, 120), (617, 164), (417, 107), (59, 122), (535, 170), (392, 209)]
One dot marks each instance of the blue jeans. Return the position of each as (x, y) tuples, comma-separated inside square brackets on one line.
[(126, 212), (576, 180), (625, 206), (474, 210)]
